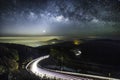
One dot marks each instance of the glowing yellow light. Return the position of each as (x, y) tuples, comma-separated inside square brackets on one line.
[(76, 42)]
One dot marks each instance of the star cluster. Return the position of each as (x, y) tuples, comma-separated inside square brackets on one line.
[(54, 17)]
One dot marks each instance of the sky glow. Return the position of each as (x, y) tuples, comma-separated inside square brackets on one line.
[(63, 17)]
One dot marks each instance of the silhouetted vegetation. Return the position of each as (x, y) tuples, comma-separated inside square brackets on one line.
[(13, 59), (24, 75), (100, 57)]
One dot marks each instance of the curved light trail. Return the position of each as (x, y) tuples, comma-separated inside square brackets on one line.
[(40, 71)]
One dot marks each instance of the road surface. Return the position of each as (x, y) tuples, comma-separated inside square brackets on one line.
[(40, 71)]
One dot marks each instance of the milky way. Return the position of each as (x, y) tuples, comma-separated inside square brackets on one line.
[(59, 17)]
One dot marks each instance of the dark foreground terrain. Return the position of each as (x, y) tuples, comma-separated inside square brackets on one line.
[(13, 59), (98, 57)]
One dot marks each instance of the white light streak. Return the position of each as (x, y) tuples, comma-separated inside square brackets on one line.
[(58, 74)]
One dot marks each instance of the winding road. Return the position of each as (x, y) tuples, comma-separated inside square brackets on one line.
[(40, 71)]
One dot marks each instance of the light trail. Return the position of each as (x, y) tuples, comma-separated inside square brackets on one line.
[(40, 71)]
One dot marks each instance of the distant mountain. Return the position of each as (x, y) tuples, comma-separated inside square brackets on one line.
[(55, 40)]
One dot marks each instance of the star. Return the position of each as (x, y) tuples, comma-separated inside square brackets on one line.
[(44, 31)]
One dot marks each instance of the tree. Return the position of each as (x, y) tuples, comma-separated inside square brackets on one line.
[(13, 65), (2, 69), (14, 54), (60, 56), (54, 52)]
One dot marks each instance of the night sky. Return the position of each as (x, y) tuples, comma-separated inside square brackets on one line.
[(60, 17)]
